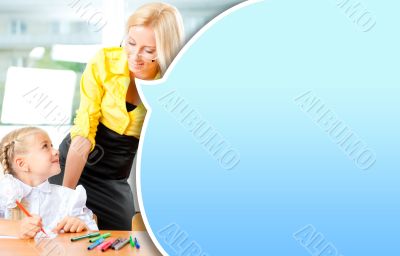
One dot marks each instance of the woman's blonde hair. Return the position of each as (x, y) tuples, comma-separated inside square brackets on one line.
[(13, 144), (167, 24)]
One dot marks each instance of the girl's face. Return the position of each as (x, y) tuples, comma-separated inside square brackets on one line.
[(41, 160), (140, 46)]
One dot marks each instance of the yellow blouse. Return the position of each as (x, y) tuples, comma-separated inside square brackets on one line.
[(103, 89)]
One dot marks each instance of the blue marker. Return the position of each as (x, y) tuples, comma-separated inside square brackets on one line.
[(95, 244), (137, 243)]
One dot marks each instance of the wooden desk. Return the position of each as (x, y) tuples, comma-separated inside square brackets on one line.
[(62, 246)]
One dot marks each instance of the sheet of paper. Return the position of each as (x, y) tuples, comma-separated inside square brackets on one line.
[(40, 236), (8, 237)]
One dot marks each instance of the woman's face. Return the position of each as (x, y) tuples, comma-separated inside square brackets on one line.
[(140, 46)]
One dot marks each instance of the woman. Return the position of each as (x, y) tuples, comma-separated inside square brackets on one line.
[(103, 142)]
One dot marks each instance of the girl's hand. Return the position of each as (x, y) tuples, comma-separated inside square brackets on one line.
[(28, 227), (70, 224)]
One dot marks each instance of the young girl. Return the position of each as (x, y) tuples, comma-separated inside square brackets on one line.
[(29, 159)]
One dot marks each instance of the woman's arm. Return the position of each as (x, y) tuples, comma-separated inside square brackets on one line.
[(87, 119), (76, 159)]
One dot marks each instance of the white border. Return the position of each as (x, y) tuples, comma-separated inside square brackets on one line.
[(148, 115)]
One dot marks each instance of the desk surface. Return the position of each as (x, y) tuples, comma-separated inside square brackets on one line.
[(62, 245)]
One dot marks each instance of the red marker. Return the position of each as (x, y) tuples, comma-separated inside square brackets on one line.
[(105, 246), (20, 206)]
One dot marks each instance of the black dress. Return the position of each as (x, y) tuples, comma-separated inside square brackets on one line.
[(105, 177)]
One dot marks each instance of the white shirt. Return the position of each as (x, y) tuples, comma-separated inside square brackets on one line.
[(51, 202)]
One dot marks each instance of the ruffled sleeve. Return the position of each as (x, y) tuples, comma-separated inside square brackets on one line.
[(76, 207), (10, 191), (3, 202)]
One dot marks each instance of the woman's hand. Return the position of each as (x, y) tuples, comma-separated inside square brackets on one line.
[(28, 227), (70, 224)]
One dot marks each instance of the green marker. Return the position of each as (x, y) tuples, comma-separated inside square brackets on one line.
[(101, 236), (131, 241), (84, 236)]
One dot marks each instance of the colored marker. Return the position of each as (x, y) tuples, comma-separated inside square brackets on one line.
[(106, 245), (121, 244), (120, 240), (85, 236), (116, 242), (101, 236), (137, 243), (95, 244), (131, 241), (20, 206)]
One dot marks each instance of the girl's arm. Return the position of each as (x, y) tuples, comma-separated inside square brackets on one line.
[(70, 225), (76, 159)]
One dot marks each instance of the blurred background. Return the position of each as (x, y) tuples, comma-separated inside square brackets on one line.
[(44, 47)]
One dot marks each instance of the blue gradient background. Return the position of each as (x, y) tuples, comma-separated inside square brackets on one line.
[(242, 76)]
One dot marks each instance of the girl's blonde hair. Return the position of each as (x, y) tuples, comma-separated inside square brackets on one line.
[(167, 24), (14, 144)]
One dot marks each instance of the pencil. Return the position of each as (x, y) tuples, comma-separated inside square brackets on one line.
[(20, 206)]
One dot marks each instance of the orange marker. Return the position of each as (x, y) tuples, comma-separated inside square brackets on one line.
[(20, 206)]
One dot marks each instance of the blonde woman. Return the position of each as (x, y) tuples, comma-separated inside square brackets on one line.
[(103, 142)]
